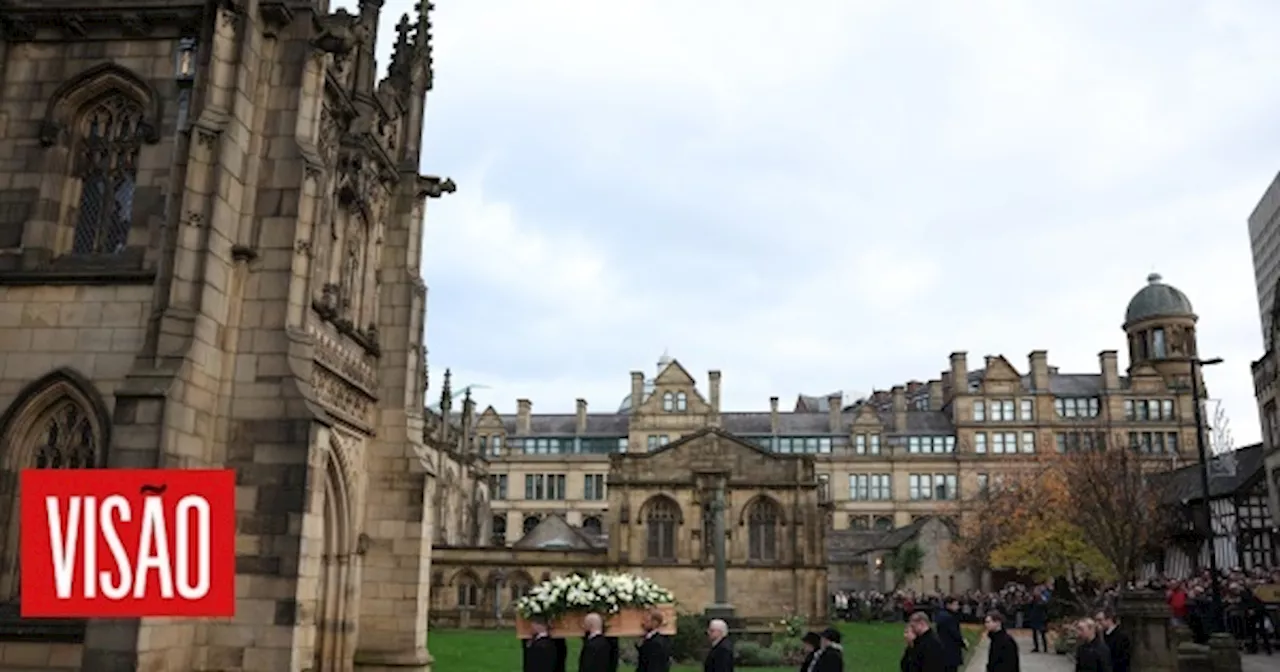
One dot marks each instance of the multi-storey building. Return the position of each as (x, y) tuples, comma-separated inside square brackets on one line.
[(880, 463), (1264, 238)]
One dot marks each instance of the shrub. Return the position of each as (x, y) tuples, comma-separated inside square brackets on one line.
[(751, 654), (690, 640)]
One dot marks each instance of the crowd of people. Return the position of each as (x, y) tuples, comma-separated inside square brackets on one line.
[(933, 637)]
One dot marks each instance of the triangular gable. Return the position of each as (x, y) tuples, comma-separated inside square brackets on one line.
[(554, 532), (695, 436), (674, 374), (490, 418), (999, 368), (867, 416)]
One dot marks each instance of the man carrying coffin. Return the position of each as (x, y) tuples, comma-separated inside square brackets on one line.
[(540, 650), (597, 653)]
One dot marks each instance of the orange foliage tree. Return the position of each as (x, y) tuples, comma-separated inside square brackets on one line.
[(1101, 496)]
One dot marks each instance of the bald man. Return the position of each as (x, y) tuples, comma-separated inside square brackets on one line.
[(720, 657), (597, 654)]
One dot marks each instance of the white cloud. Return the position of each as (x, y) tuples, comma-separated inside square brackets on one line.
[(836, 194)]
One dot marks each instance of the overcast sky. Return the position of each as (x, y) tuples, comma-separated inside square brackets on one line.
[(819, 195)]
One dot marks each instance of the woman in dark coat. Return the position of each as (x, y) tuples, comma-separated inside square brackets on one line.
[(811, 642)]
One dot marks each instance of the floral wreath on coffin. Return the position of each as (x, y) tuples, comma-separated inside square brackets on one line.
[(602, 593)]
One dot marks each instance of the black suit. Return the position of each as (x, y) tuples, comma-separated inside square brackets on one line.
[(1121, 648), (830, 659), (540, 655), (615, 653), (808, 660), (654, 654), (1002, 654), (562, 654), (596, 654), (719, 658), (948, 628), (927, 654), (1093, 656)]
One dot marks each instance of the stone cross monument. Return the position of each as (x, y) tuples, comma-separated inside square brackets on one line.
[(720, 608)]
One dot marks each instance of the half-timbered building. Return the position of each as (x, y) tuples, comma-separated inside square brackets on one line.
[(1240, 530)]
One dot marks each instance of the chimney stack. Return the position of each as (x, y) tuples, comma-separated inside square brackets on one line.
[(637, 391), (524, 421), (714, 397), (1039, 370), (936, 400), (1110, 365), (835, 412), (581, 426), (959, 373), (899, 408), (773, 415)]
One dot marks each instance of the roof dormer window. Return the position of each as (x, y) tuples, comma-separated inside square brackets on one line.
[(682, 401), (668, 401)]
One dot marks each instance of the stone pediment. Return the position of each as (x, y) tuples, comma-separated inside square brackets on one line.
[(1143, 378), (710, 451), (867, 417), (674, 374), (999, 369), (555, 533), (490, 418)]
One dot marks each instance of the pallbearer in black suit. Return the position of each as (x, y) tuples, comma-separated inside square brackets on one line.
[(655, 648), (596, 654), (540, 651)]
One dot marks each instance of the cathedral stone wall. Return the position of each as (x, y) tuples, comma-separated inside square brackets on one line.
[(210, 233)]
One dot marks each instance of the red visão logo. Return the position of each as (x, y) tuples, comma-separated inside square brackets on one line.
[(122, 543)]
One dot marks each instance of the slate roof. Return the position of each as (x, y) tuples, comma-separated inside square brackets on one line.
[(847, 545), (1184, 484), (743, 424), (1157, 300)]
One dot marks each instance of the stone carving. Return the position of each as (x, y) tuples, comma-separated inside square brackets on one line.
[(354, 366), (327, 142), (335, 393)]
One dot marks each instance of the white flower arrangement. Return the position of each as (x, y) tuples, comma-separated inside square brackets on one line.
[(602, 593)]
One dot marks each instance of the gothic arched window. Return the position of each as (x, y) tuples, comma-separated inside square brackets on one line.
[(499, 532), (111, 133), (59, 432), (661, 517), (592, 524), (468, 592), (530, 522), (762, 530)]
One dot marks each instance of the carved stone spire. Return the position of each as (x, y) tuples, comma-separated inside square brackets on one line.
[(402, 54), (446, 395), (366, 74), (422, 42)]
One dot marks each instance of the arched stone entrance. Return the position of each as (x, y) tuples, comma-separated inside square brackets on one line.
[(336, 600)]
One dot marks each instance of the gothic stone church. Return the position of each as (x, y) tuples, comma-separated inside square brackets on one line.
[(210, 230)]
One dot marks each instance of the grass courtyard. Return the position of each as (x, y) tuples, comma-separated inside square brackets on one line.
[(869, 647)]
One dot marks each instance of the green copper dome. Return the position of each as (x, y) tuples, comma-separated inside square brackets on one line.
[(1157, 300)]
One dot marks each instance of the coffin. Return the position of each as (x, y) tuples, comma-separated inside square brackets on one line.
[(625, 623)]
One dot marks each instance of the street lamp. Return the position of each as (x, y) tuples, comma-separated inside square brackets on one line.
[(1197, 365)]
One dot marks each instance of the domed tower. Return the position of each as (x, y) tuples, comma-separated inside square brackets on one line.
[(1161, 327)]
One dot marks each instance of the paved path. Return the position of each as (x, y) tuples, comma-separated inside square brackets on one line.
[(1260, 663), (1030, 662)]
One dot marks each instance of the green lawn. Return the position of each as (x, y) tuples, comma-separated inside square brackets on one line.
[(872, 647)]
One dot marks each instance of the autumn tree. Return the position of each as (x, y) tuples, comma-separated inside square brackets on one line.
[(1092, 512), (1115, 498)]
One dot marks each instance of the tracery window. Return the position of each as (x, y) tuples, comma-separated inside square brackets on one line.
[(111, 133), (499, 531), (63, 437), (468, 592), (762, 530), (660, 522)]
